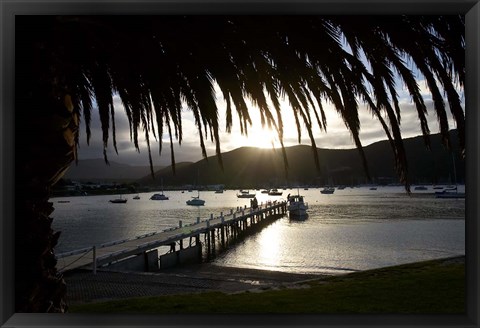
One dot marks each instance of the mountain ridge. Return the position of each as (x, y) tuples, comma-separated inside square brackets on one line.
[(250, 167)]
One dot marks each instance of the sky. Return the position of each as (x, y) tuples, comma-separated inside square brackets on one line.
[(337, 135)]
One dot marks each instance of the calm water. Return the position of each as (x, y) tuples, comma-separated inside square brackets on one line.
[(352, 229)]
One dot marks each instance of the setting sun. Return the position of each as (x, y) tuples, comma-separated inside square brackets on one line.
[(258, 137)]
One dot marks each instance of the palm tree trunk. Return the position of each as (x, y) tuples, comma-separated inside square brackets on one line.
[(46, 128)]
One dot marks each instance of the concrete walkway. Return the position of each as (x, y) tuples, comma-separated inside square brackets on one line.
[(83, 286)]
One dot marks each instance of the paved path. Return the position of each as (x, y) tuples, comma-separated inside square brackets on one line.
[(84, 286)]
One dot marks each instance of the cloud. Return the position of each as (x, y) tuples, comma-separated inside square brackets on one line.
[(337, 135)]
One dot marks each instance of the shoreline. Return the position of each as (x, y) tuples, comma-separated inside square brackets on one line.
[(85, 287)]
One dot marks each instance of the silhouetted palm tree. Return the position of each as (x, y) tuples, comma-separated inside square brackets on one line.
[(66, 66)]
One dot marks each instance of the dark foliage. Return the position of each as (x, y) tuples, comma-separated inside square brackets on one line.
[(162, 65)]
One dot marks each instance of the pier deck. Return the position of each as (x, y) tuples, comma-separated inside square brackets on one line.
[(96, 256)]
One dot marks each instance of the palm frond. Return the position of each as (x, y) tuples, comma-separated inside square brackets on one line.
[(159, 65)]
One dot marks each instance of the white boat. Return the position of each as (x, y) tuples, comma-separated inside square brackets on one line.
[(118, 200), (196, 201), (159, 197), (327, 190), (275, 192), (297, 208), (245, 194)]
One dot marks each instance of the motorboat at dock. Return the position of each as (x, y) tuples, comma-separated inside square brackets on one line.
[(297, 207)]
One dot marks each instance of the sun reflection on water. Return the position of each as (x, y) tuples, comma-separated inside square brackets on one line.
[(353, 229), (269, 246)]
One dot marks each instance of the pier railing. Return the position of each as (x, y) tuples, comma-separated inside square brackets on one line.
[(224, 224)]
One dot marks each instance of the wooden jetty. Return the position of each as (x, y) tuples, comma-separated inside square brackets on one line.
[(143, 249)]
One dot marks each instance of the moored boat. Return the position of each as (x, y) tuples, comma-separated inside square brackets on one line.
[(327, 190), (447, 190), (196, 201), (297, 207), (245, 194), (275, 192), (118, 200), (449, 193), (420, 188), (160, 196)]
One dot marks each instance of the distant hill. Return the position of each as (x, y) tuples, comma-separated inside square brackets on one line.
[(249, 167), (97, 170)]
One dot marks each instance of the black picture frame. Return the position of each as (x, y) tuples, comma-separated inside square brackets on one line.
[(9, 9)]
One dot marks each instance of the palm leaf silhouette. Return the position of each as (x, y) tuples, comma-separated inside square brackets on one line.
[(160, 66)]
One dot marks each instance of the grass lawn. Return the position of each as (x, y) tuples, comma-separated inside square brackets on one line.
[(432, 287)]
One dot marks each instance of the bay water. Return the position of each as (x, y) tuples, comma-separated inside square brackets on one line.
[(349, 230)]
